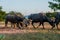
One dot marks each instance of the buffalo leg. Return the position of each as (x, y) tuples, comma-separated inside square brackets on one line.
[(32, 24), (26, 25), (18, 26), (52, 27), (39, 25), (57, 25), (14, 25), (21, 25), (43, 25), (6, 22), (11, 24)]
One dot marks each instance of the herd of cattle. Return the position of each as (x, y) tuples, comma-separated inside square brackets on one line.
[(33, 18)]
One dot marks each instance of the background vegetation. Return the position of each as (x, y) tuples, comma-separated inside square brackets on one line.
[(3, 14), (54, 5)]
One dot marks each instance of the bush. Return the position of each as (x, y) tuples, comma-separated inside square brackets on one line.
[(50, 15), (2, 15)]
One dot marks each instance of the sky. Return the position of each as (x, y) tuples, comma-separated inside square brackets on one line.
[(26, 7)]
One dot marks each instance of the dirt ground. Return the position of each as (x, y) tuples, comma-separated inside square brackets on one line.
[(12, 30)]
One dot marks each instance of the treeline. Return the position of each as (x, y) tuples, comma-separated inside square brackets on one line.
[(55, 5), (3, 14), (51, 15)]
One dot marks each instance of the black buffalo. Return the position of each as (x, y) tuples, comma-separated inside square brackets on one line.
[(14, 19), (41, 19), (57, 19)]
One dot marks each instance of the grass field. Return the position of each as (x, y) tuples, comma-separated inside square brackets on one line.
[(31, 36), (30, 33)]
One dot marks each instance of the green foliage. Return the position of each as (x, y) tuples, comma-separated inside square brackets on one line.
[(0, 8), (2, 37), (55, 6), (11, 12), (15, 13), (50, 15), (57, 0), (19, 14), (2, 14)]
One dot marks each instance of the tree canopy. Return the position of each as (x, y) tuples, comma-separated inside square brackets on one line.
[(2, 14), (55, 5), (15, 13)]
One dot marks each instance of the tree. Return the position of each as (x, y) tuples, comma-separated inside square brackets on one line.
[(11, 12), (16, 13), (55, 6), (50, 15), (19, 14), (2, 14), (0, 8)]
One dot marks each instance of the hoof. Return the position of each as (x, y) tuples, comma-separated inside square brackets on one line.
[(19, 27), (34, 27), (37, 27), (43, 28), (58, 29), (52, 27)]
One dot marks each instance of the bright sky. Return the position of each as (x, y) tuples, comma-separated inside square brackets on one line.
[(26, 7)]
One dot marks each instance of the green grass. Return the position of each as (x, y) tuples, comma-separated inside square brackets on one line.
[(31, 36)]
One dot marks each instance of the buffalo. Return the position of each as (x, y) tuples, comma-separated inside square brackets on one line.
[(41, 19), (57, 19), (13, 19)]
